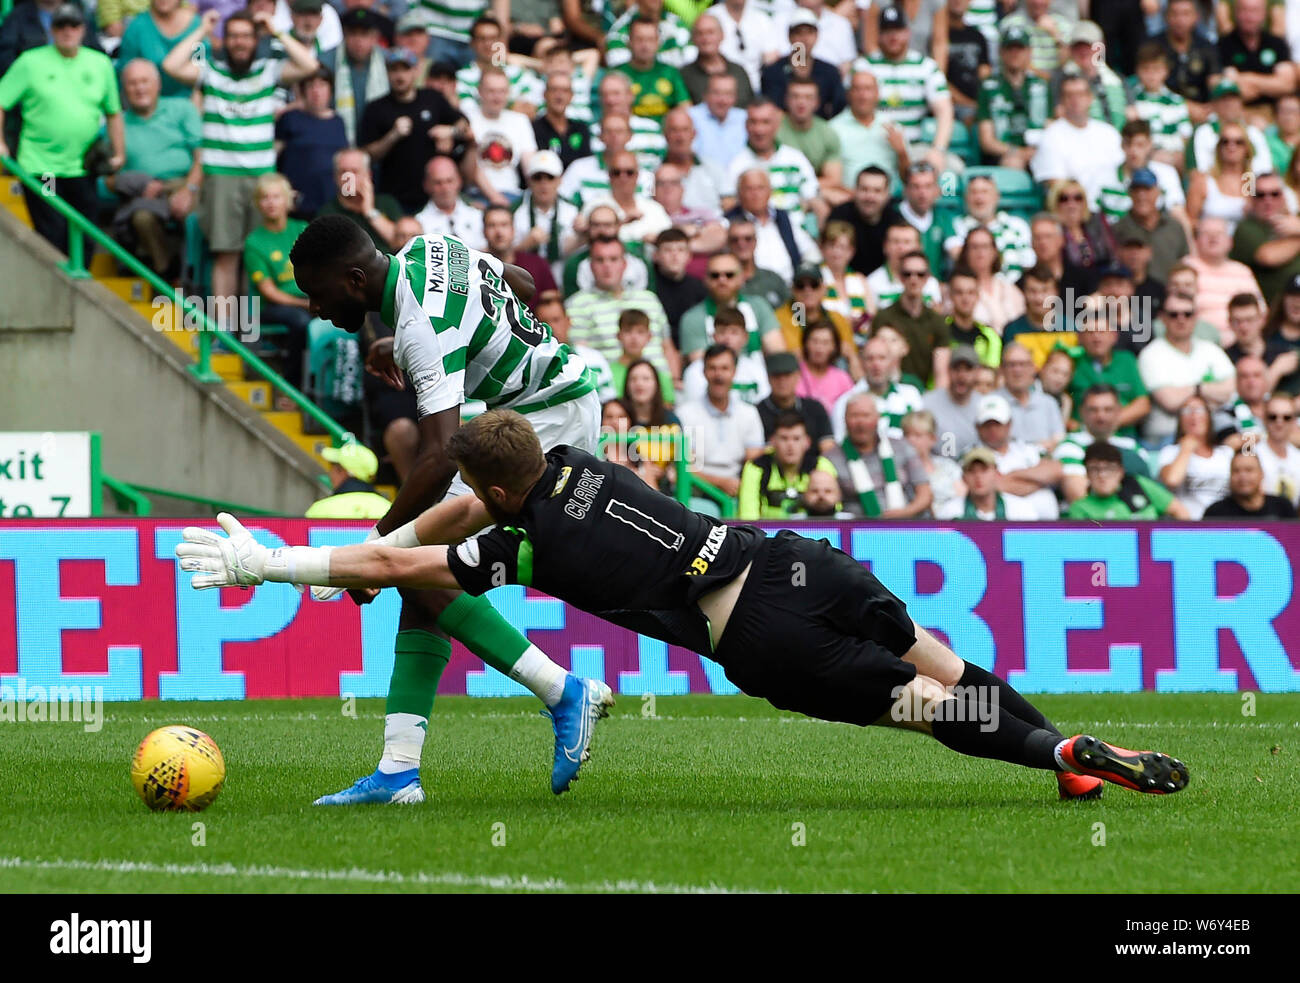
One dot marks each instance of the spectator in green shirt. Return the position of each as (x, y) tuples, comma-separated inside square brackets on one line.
[(656, 87), (159, 182), (1096, 360), (266, 258), (1013, 106), (1113, 494), (65, 91)]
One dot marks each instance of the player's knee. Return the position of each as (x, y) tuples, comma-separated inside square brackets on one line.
[(915, 703), (402, 433), (422, 608)]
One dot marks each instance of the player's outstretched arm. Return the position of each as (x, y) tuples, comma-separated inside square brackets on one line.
[(237, 560), (451, 521)]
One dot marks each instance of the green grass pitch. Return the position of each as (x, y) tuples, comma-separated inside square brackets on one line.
[(715, 793)]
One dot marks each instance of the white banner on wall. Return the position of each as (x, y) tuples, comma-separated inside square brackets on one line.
[(49, 475)]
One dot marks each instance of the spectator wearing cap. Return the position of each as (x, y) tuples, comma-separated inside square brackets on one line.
[(1135, 256), (1035, 416), (807, 309), (1014, 106), (1024, 470), (1010, 232), (1268, 238), (954, 406), (554, 129), (1097, 360), (881, 371), (1100, 410), (1048, 33), (749, 37), (1110, 102), (707, 36), (1193, 61), (64, 90), (880, 476), (804, 61), (1113, 494), (404, 128), (543, 220), (352, 469), (499, 234), (827, 35), (1077, 146), (153, 33), (1135, 141), (772, 485), (1246, 496), (360, 72), (1218, 278), (750, 382), (487, 41), (912, 88), (723, 282), (962, 50), (678, 291), (160, 176), (28, 25), (923, 327), (306, 140), (1228, 108), (963, 327), (1179, 366), (1145, 221), (983, 501), (783, 378), (869, 140), (1258, 61), (411, 33), (446, 212), (355, 197), (781, 243)]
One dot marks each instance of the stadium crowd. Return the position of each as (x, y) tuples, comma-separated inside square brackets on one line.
[(967, 260)]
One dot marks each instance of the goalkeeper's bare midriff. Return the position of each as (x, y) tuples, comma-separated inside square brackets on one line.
[(717, 605)]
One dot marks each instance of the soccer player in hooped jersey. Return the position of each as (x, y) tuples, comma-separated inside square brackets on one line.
[(460, 332), (789, 619)]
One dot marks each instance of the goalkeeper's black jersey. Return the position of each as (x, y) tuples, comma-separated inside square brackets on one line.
[(595, 535)]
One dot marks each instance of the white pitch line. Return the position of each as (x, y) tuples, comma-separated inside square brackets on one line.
[(453, 879)]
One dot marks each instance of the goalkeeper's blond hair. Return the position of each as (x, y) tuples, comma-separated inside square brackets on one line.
[(498, 448)]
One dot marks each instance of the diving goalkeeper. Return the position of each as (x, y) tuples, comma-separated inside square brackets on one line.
[(789, 619)]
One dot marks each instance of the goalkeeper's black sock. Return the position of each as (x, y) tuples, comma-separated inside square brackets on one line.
[(1008, 698), (972, 727)]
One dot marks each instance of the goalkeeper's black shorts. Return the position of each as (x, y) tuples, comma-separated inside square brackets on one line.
[(815, 632)]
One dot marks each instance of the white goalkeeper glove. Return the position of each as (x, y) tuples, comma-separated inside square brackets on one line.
[(233, 560), (238, 560)]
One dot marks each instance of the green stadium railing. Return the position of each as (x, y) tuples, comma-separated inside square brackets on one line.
[(133, 498), (80, 227), (686, 485)]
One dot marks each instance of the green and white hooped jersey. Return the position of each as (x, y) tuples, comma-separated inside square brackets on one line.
[(675, 47), (462, 334), (525, 85), (453, 18), (1171, 126), (906, 88), (238, 134)]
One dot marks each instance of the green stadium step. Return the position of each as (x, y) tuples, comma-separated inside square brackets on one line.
[(255, 394)]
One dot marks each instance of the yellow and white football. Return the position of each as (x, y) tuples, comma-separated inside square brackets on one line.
[(178, 769)]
